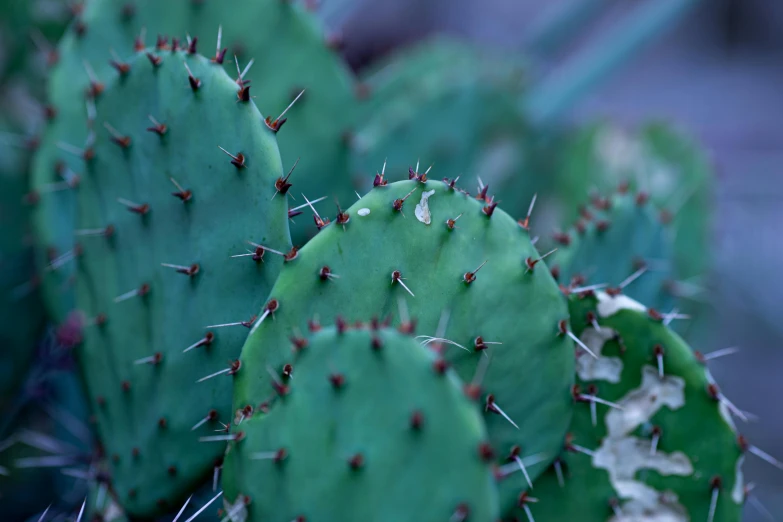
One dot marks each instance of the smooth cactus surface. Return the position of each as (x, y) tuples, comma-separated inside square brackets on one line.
[(164, 210), (367, 427), (664, 449), (289, 54), (467, 273), (619, 241)]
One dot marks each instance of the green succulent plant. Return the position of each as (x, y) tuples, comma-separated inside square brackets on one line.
[(466, 372), (364, 417), (164, 234)]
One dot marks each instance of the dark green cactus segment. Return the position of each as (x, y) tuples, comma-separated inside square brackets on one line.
[(657, 159), (179, 208), (621, 242), (666, 447), (366, 429), (289, 52), (448, 106), (467, 272), (21, 310)]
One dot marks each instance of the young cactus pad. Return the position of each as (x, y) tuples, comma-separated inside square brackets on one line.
[(621, 242), (469, 275), (368, 426), (162, 211), (664, 449)]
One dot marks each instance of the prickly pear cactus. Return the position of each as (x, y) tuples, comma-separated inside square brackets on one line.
[(45, 455), (21, 311), (366, 426), (289, 55), (655, 159), (162, 210), (623, 243), (652, 436), (449, 106), (469, 275), (101, 505)]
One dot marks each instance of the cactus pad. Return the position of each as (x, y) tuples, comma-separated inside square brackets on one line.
[(289, 52), (472, 279), (619, 241), (367, 428), (665, 450), (164, 210), (48, 434)]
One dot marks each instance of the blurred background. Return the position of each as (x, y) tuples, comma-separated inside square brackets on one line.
[(712, 68)]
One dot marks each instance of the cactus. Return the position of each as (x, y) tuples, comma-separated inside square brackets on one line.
[(663, 446), (143, 226), (670, 169), (470, 276), (424, 69), (21, 311), (450, 106), (162, 210), (655, 159), (278, 36), (365, 417), (623, 243)]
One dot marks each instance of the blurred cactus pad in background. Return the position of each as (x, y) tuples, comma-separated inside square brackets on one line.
[(243, 280)]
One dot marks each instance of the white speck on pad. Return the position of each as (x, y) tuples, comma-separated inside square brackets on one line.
[(422, 208)]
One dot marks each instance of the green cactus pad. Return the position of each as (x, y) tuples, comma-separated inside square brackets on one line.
[(657, 159), (472, 286), (620, 241), (49, 434), (451, 106), (369, 428), (179, 208), (20, 19), (289, 53), (671, 446), (425, 67)]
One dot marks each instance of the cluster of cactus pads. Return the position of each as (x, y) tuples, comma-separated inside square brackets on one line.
[(412, 356)]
